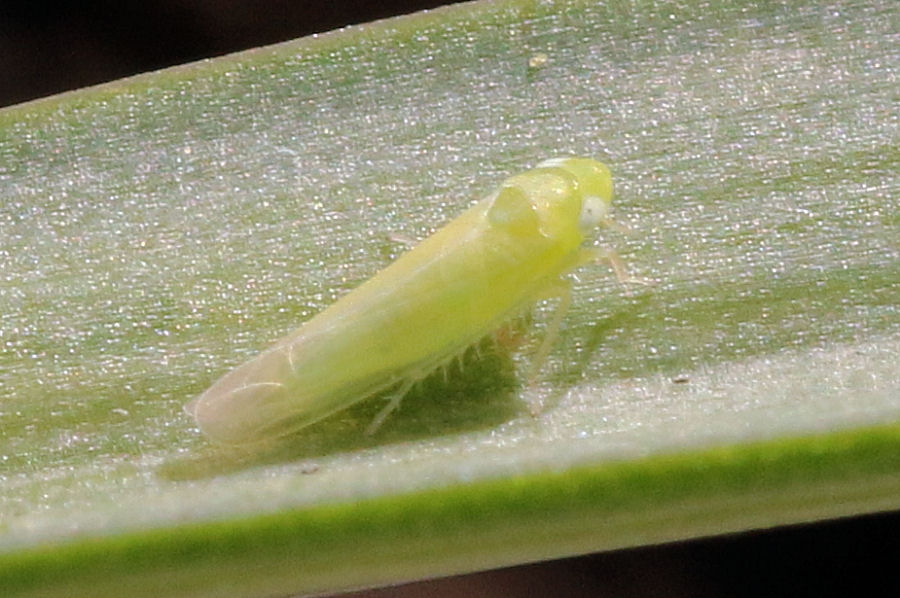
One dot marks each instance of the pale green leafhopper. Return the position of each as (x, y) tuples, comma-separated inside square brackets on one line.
[(487, 266)]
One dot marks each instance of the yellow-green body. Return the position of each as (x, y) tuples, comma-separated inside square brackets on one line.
[(461, 283)]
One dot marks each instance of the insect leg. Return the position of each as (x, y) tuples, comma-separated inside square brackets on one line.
[(615, 262), (616, 226), (393, 403), (562, 289)]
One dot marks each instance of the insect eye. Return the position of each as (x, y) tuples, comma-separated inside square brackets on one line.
[(594, 210)]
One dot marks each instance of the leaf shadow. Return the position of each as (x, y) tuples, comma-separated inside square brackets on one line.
[(476, 391)]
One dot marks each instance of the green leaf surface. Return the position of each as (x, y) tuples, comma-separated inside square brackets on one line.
[(159, 230)]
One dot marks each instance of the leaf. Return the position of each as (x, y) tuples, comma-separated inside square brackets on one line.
[(156, 231)]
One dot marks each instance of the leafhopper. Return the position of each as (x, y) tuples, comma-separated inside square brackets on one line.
[(487, 266)]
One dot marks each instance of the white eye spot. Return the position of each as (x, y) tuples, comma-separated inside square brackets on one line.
[(553, 163), (593, 211)]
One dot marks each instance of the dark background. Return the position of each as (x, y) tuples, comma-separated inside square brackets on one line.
[(49, 47), (838, 558)]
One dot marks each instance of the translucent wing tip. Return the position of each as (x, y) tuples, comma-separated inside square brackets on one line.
[(238, 415)]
